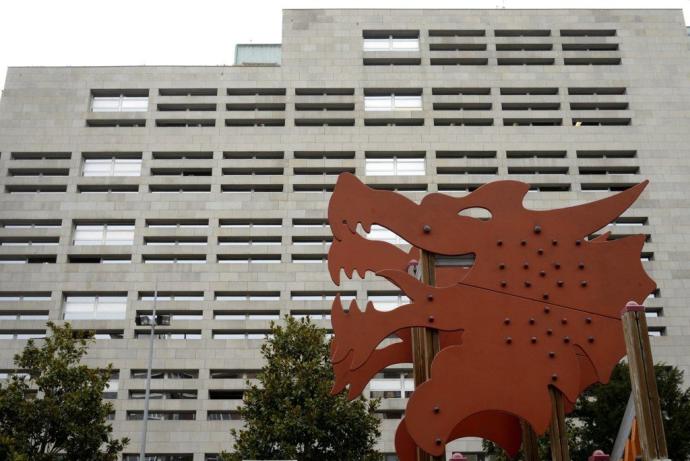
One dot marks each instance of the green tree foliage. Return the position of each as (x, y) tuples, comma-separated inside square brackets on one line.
[(53, 408), (598, 413), (601, 409), (290, 414)]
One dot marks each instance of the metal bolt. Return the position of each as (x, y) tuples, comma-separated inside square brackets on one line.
[(503, 283), (547, 309), (554, 242), (581, 265), (523, 243), (506, 321), (439, 441), (583, 283), (436, 409), (559, 283), (534, 339), (566, 339), (430, 297), (542, 273), (552, 354), (549, 332), (531, 321), (588, 320), (431, 319), (537, 229), (564, 320), (578, 242), (525, 265), (540, 251), (545, 296), (590, 339), (554, 377), (509, 340), (501, 266), (426, 228), (557, 265), (499, 242), (528, 283)]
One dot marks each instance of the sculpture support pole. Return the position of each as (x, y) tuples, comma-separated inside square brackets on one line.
[(530, 447), (425, 343), (643, 383), (558, 433)]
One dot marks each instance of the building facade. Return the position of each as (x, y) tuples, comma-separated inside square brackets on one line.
[(209, 185)]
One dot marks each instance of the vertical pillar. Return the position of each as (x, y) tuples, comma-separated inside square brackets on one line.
[(425, 343), (643, 383), (558, 432), (530, 446)]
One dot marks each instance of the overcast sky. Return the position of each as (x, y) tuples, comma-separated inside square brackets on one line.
[(202, 32)]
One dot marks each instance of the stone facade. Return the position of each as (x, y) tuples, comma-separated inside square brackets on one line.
[(576, 102)]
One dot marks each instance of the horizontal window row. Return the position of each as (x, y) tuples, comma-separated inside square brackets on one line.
[(473, 61), (121, 163), (306, 188)]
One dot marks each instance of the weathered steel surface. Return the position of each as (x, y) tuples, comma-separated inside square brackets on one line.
[(539, 307)]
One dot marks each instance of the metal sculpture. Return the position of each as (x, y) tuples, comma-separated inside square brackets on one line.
[(539, 307)]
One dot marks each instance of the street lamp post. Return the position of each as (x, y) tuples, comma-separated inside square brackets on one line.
[(152, 320)]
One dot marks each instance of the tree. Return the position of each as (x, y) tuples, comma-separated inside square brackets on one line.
[(601, 408), (290, 414), (52, 407), (598, 413)]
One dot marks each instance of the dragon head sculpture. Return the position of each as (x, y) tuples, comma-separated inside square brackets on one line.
[(539, 307)]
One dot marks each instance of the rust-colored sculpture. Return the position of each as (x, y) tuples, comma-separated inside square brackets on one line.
[(540, 306)]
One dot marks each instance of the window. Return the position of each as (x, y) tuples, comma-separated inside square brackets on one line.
[(253, 241), (247, 296), (381, 233), (248, 259), (393, 384), (99, 259), (393, 102), (387, 301), (23, 315), (8, 296), (22, 334), (233, 374), (176, 259), (112, 386), (251, 223), (119, 101), (79, 307), (171, 296), (313, 315), (30, 224), (175, 241), (223, 415), (240, 335), (322, 296), (246, 315), (165, 374), (104, 234), (160, 415), (169, 334), (153, 457), (395, 166), (26, 241), (112, 166), (136, 394), (177, 223), (391, 40)]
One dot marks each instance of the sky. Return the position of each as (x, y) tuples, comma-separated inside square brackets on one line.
[(189, 32)]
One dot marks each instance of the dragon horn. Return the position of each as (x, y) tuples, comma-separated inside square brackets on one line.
[(589, 217)]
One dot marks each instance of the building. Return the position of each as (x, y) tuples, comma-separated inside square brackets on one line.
[(209, 184)]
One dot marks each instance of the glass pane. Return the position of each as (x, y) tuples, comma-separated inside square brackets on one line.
[(374, 103), (408, 102), (380, 166), (105, 104), (405, 44), (377, 44), (130, 104), (410, 166)]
